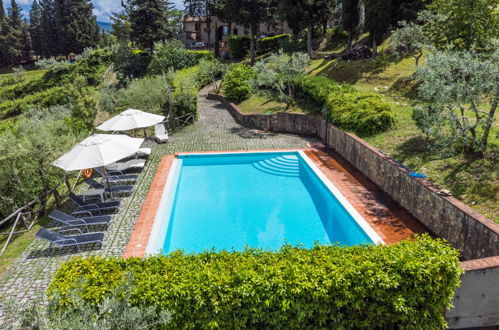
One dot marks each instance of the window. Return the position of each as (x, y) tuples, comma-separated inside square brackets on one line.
[(197, 27)]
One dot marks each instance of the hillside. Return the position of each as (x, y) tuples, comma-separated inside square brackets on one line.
[(475, 181)]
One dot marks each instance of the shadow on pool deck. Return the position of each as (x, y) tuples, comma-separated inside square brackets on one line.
[(392, 222)]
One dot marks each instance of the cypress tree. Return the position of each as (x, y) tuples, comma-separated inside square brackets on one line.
[(49, 42), (25, 42), (2, 10), (148, 20), (35, 27), (76, 25), (378, 19), (351, 18), (13, 34)]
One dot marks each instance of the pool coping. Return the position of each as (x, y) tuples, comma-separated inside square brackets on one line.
[(140, 238)]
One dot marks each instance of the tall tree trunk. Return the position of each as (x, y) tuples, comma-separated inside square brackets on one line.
[(252, 45), (216, 46), (229, 29), (208, 29), (309, 38), (488, 125), (350, 38), (375, 47)]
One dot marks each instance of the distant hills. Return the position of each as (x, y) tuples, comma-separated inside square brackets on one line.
[(106, 26)]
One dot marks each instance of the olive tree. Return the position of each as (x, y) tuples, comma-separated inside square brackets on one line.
[(275, 75), (409, 40), (463, 91)]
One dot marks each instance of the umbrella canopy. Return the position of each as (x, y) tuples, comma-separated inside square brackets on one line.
[(98, 150), (130, 119)]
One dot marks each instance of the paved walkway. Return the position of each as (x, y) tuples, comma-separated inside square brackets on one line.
[(216, 130)]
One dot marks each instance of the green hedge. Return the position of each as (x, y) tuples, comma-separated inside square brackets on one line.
[(238, 46), (46, 98), (202, 54), (362, 113), (237, 82), (407, 285), (273, 43)]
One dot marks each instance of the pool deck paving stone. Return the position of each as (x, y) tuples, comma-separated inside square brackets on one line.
[(215, 130)]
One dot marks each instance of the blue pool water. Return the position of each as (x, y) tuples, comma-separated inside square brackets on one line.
[(258, 200)]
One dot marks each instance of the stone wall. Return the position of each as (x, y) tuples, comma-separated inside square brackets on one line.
[(476, 302), (472, 233)]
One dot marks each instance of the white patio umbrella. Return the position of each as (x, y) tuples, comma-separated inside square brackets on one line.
[(98, 150), (131, 119)]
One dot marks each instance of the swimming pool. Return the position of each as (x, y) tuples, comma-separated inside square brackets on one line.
[(252, 199)]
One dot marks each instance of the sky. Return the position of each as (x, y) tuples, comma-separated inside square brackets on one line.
[(102, 8)]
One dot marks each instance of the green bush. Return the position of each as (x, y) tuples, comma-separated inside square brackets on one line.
[(130, 63), (171, 55), (185, 92), (362, 113), (237, 82), (209, 71), (273, 43), (202, 54), (46, 98), (406, 285), (318, 89), (238, 46)]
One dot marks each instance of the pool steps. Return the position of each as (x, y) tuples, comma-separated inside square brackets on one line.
[(282, 166)]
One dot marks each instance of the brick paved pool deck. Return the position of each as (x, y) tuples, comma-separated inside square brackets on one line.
[(215, 130)]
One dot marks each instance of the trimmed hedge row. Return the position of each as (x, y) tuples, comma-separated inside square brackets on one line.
[(46, 98), (407, 285), (273, 43), (362, 113), (238, 46)]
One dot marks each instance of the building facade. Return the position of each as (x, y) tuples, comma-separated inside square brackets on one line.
[(196, 34)]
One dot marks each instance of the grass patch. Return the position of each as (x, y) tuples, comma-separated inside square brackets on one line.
[(262, 105), (475, 181)]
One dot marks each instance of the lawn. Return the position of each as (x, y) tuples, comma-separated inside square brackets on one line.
[(473, 180), (257, 104)]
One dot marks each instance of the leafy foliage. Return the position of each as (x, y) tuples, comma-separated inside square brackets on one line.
[(361, 112), (406, 285), (318, 88), (171, 55), (274, 43), (130, 63), (463, 89), (276, 74), (238, 46), (409, 40), (114, 312), (237, 82), (463, 24)]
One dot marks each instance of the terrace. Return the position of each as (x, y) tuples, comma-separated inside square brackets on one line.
[(215, 130)]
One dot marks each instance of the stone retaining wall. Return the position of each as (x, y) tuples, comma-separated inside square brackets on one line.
[(472, 233), (476, 302)]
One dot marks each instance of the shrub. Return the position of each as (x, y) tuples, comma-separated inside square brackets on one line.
[(202, 54), (273, 43), (362, 113), (171, 55), (238, 46), (318, 89), (209, 71), (47, 98), (237, 82), (147, 94), (275, 75), (185, 92), (406, 285), (130, 63)]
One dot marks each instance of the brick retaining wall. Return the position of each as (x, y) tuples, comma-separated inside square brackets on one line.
[(467, 230)]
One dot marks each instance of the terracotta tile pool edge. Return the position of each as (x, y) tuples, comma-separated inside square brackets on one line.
[(141, 233)]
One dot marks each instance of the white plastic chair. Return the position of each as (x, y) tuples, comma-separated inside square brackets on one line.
[(160, 133)]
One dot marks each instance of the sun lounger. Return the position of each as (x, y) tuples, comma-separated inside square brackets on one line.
[(116, 178), (119, 168), (70, 221), (115, 189), (160, 133), (144, 152), (61, 241), (92, 208)]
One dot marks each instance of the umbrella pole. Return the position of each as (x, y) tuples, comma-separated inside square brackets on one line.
[(107, 182)]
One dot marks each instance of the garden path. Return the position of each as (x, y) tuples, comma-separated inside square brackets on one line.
[(215, 130)]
